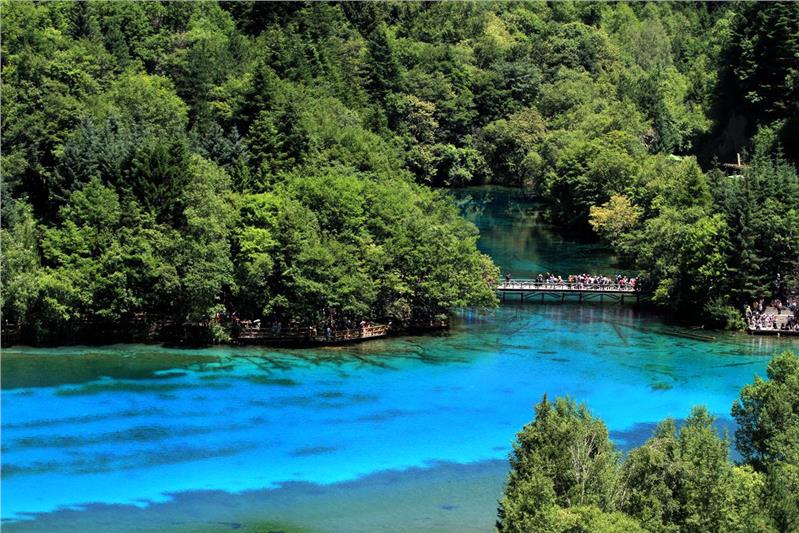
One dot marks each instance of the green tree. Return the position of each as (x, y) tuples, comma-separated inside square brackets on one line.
[(202, 255), (85, 252), (158, 175), (682, 251), (83, 22), (506, 143), (761, 66), (682, 480), (563, 459), (19, 262), (767, 413), (382, 67), (277, 142), (615, 219)]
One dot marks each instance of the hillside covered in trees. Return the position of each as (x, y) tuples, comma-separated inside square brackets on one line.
[(276, 159)]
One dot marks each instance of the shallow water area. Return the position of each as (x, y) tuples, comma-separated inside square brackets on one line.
[(400, 434)]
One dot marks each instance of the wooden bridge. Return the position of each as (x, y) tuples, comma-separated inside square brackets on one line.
[(256, 335), (530, 290)]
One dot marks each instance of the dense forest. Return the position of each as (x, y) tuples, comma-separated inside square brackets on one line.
[(567, 476), (287, 160)]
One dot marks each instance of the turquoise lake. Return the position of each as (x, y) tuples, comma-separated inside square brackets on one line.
[(402, 434)]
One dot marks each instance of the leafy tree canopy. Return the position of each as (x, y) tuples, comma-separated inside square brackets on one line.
[(565, 475)]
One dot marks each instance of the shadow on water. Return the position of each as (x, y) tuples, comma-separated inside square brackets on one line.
[(35, 367), (136, 434), (85, 419), (24, 368), (421, 499), (141, 459), (638, 434)]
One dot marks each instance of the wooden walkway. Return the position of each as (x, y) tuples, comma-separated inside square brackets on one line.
[(253, 335), (532, 290), (773, 332), (781, 317)]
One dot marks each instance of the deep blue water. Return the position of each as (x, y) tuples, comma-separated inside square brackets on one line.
[(396, 435)]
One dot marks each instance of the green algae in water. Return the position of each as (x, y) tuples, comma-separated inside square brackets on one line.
[(42, 367), (660, 385)]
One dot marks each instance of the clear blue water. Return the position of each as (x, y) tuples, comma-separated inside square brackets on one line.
[(513, 234), (400, 434)]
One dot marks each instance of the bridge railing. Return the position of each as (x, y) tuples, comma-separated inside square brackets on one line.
[(251, 333), (535, 285)]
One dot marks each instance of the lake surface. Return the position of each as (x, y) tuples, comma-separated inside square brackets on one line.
[(402, 434)]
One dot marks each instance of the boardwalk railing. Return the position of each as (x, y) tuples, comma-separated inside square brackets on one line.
[(530, 289), (265, 335), (534, 285)]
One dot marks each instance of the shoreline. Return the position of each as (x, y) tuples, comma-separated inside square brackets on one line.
[(198, 336), (204, 341)]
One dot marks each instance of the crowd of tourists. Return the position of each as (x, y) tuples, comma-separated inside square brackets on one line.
[(582, 281), (777, 316)]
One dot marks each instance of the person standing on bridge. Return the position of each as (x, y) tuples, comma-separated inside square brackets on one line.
[(507, 278), (779, 288)]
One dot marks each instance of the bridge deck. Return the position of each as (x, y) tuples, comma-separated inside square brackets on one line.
[(528, 288), (774, 332), (538, 286)]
